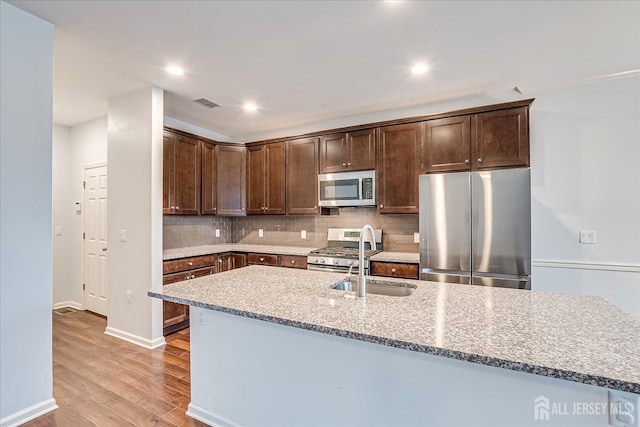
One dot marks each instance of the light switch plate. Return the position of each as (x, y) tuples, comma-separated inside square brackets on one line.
[(303, 234), (123, 235), (217, 232), (587, 236), (260, 232), (416, 237), (58, 230)]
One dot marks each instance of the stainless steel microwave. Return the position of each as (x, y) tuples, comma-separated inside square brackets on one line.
[(347, 189)]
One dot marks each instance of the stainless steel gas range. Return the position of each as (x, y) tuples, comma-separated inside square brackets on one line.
[(342, 251)]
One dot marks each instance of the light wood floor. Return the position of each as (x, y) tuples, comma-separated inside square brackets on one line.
[(99, 380)]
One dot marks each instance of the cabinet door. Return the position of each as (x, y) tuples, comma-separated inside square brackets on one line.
[(209, 177), (187, 175), (231, 163), (302, 176), (500, 139), (174, 313), (224, 263), (274, 190), (361, 150), (333, 153), (399, 149), (168, 167), (447, 144), (239, 260), (255, 180)]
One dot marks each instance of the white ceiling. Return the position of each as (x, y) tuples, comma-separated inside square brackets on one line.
[(305, 62)]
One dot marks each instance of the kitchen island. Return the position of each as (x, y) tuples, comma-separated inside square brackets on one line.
[(275, 346)]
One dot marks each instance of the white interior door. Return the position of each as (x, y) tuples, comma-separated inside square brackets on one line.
[(95, 239)]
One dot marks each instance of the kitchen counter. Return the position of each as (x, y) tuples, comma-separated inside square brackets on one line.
[(582, 339), (169, 254), (402, 257)]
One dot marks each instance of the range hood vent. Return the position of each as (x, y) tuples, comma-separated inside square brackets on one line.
[(206, 103)]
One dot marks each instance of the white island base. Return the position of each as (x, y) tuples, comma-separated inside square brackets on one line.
[(247, 372)]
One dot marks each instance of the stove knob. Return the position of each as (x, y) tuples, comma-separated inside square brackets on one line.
[(314, 260), (335, 261), (321, 260)]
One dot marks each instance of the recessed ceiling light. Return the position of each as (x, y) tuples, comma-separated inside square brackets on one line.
[(419, 69), (176, 71), (250, 106)]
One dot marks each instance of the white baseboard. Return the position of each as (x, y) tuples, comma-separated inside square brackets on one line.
[(70, 304), (587, 265), (208, 418), (29, 413), (135, 339)]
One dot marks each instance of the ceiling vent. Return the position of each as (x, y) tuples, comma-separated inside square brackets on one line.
[(205, 102)]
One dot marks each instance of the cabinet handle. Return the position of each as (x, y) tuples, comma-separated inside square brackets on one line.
[(261, 259), (293, 261), (381, 206), (241, 209), (348, 163), (190, 263), (173, 207), (344, 165), (177, 207), (479, 160), (104, 249), (466, 161), (220, 261)]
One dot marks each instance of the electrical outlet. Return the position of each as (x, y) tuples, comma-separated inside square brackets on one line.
[(416, 237), (123, 235), (129, 297), (587, 236), (260, 232), (217, 232), (58, 230), (303, 234), (624, 409)]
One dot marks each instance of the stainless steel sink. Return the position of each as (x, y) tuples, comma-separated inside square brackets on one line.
[(392, 289)]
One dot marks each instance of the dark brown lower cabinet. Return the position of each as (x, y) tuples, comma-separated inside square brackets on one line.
[(391, 269)]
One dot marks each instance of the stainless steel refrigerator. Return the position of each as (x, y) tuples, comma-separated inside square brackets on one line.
[(475, 228)]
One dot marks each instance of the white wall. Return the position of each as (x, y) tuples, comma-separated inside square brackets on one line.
[(135, 205), (26, 74), (585, 157), (73, 148)]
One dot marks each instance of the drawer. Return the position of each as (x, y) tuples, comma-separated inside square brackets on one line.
[(186, 275), (263, 259), (389, 269), (191, 263), (293, 261)]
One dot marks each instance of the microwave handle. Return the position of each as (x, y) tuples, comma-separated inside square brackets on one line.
[(359, 188)]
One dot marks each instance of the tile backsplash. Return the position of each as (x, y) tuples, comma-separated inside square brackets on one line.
[(281, 230)]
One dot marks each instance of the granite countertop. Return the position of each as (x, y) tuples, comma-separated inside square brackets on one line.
[(577, 338), (403, 257), (169, 254)]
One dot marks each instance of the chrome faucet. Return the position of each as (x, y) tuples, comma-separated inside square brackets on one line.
[(362, 282)]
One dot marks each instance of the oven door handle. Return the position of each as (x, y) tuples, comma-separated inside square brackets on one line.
[(328, 270)]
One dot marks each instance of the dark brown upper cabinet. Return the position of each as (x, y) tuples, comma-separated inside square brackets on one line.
[(231, 179), (302, 176), (266, 179), (348, 151), (209, 178), (500, 139), (181, 175), (494, 139), (399, 148), (447, 144)]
